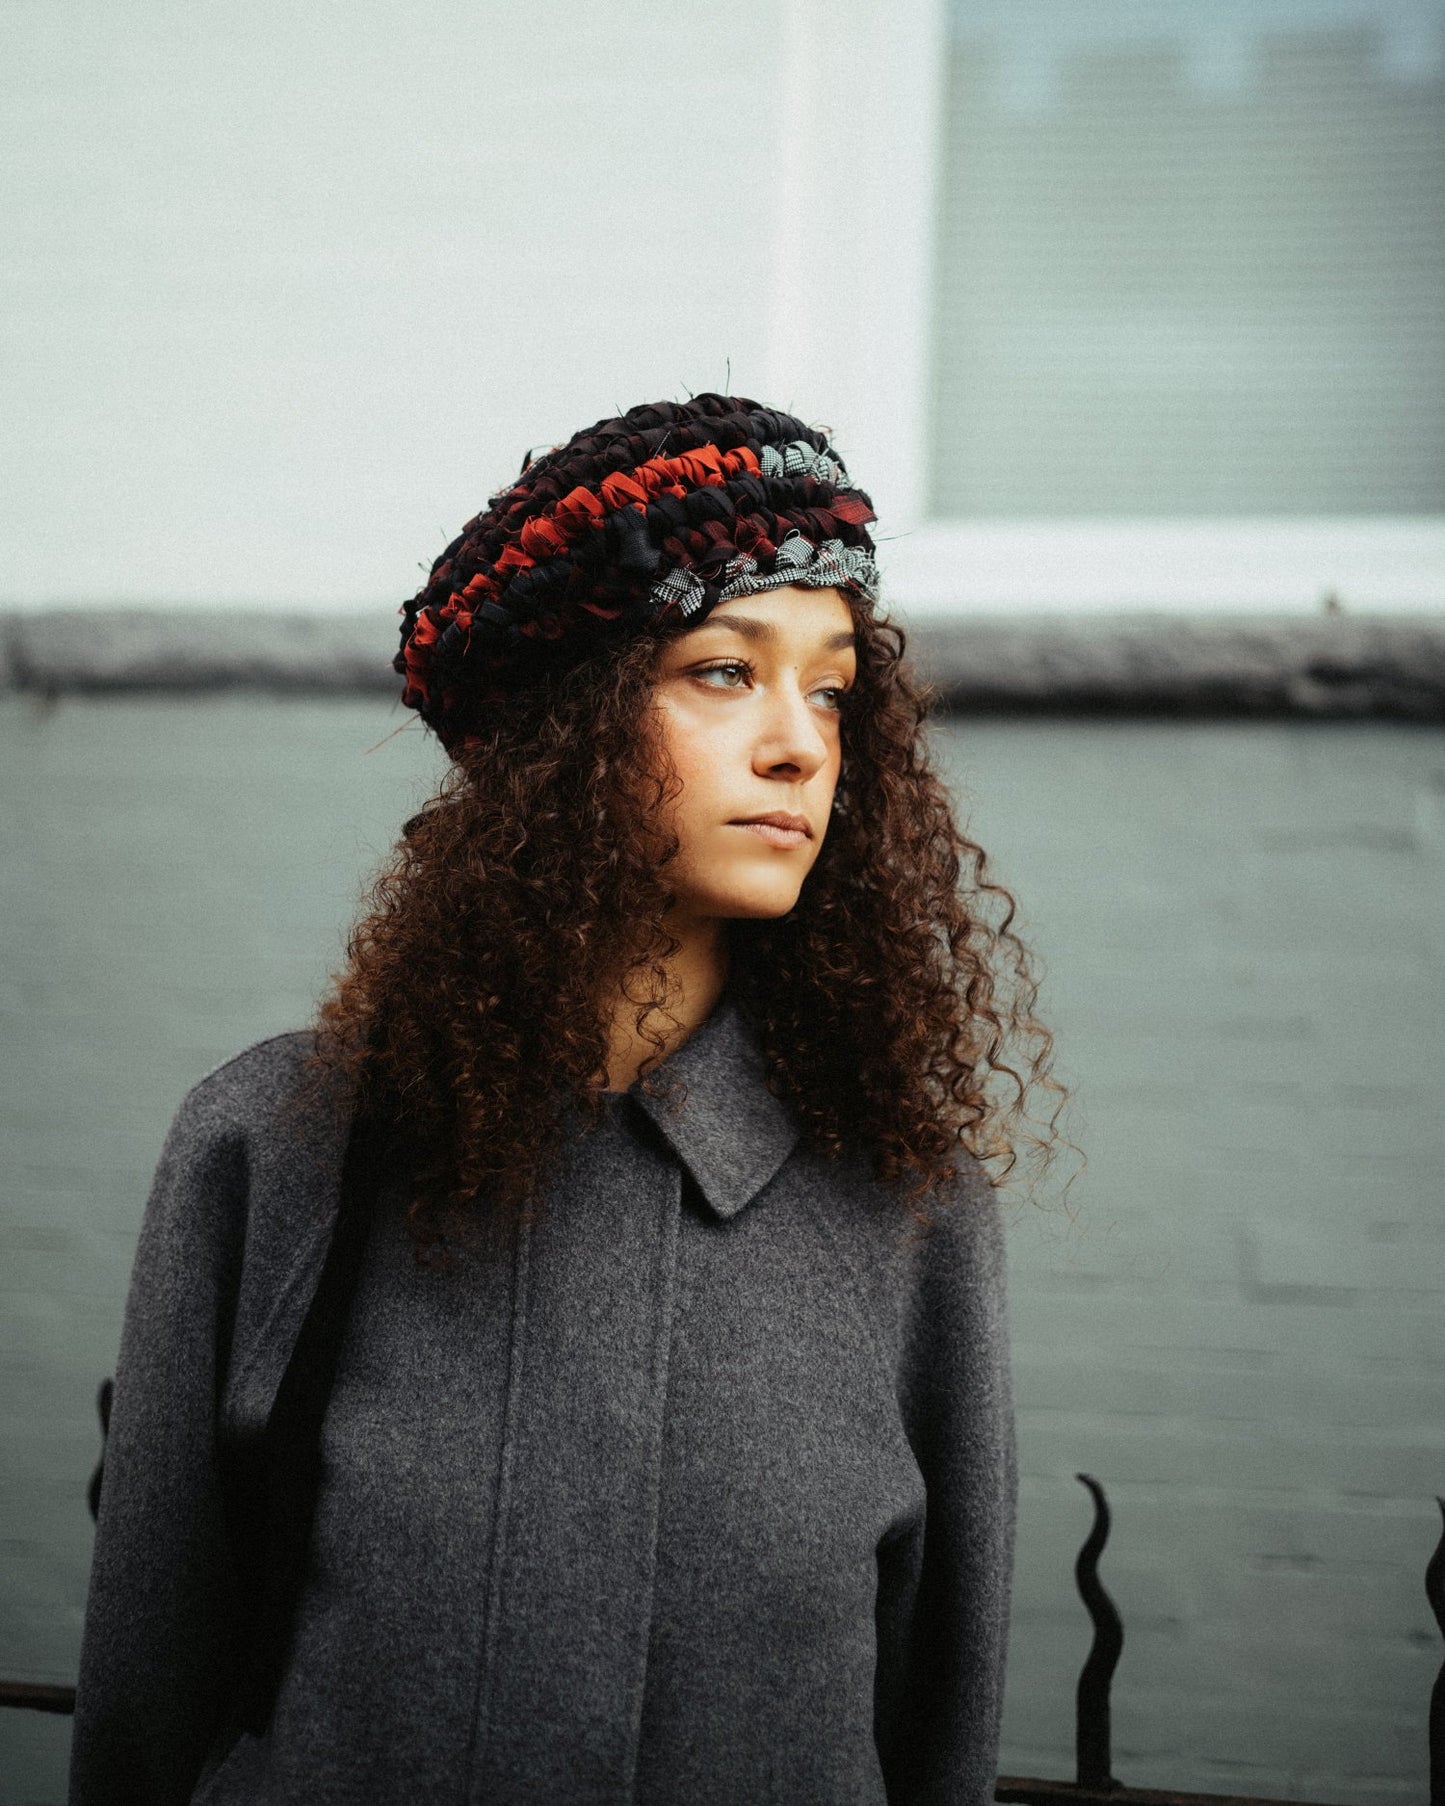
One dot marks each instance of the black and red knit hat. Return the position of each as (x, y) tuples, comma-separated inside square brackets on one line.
[(639, 523)]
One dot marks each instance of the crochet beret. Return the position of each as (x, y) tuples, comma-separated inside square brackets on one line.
[(640, 523)]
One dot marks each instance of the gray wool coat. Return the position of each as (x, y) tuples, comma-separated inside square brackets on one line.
[(705, 1493)]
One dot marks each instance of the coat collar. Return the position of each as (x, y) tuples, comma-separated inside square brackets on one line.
[(731, 1133)]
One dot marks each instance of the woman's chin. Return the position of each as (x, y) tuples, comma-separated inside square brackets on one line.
[(749, 901)]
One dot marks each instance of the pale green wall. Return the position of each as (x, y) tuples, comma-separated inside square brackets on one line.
[(1241, 1336)]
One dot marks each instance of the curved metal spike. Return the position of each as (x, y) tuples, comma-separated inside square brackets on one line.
[(1435, 1593), (1091, 1720), (102, 1405)]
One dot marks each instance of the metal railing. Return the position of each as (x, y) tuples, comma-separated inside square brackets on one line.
[(1093, 1783)]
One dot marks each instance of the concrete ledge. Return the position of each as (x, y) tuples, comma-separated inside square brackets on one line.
[(1334, 667), (77, 651), (1322, 666)]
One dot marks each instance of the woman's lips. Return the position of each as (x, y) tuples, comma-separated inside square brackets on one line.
[(774, 835)]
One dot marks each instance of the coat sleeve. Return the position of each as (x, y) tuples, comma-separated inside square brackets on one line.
[(945, 1752), (162, 1598)]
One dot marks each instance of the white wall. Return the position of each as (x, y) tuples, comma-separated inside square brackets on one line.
[(294, 287)]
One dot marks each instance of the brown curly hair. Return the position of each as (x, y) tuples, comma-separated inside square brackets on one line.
[(894, 1002)]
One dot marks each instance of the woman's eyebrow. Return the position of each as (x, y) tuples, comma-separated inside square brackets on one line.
[(764, 630)]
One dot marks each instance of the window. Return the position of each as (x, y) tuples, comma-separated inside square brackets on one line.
[(1191, 260)]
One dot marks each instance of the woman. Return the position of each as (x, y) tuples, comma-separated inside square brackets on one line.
[(576, 1369)]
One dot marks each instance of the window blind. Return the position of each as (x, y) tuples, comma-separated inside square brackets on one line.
[(1191, 260)]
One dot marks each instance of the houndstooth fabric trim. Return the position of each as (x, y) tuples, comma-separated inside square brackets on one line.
[(799, 459), (797, 560)]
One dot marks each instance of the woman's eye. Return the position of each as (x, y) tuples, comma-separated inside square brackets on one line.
[(836, 691), (708, 670)]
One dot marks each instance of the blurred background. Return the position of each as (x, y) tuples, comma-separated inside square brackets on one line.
[(1130, 316)]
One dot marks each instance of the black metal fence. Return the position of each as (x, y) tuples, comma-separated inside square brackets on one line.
[(1093, 1782)]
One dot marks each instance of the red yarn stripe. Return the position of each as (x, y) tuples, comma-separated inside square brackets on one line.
[(548, 534)]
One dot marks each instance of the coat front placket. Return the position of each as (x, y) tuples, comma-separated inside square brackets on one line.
[(571, 1572)]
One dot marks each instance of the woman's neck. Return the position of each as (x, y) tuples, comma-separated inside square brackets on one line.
[(697, 975)]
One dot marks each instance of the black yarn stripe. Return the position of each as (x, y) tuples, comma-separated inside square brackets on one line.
[(773, 500)]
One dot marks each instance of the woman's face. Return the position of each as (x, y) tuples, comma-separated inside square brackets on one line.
[(747, 704)]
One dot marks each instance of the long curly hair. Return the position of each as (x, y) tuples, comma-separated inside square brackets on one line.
[(894, 1003)]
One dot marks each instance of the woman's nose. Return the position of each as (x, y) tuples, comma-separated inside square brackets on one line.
[(791, 733)]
